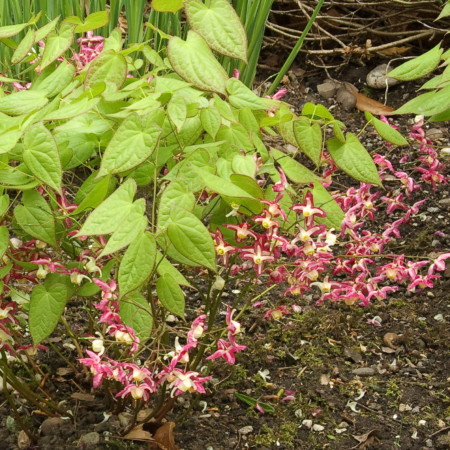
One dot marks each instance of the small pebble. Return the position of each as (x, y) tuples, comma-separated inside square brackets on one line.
[(364, 371), (246, 430)]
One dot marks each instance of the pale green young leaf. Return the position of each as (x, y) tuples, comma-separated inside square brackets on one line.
[(4, 240), (354, 159), (316, 112), (167, 5), (8, 140), (220, 26), (106, 217), (295, 171), (240, 96), (22, 102), (137, 263), (175, 195), (93, 21), (170, 295), (211, 120), (445, 11), (136, 313), (42, 32), (57, 44), (177, 111), (109, 67), (128, 229), (244, 164), (12, 30), (23, 48), (191, 238), (59, 79), (194, 62), (4, 204), (95, 195), (427, 104), (41, 156), (67, 111), (386, 131), (133, 142), (418, 67), (35, 217), (309, 139), (164, 266), (47, 303)]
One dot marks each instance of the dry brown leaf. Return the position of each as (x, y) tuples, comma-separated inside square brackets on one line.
[(364, 103), (390, 339), (139, 434), (63, 371), (164, 436), (366, 439), (394, 51), (82, 397)]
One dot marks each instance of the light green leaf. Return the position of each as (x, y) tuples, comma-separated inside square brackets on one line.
[(426, 104), (211, 120), (42, 157), (92, 21), (4, 204), (316, 112), (177, 111), (4, 240), (166, 267), (109, 67), (35, 217), (56, 44), (98, 190), (137, 263), (133, 142), (59, 79), (170, 295), (175, 195), (22, 102), (106, 217), (72, 109), (324, 200), (136, 313), (309, 139), (129, 228), (240, 96), (244, 164), (445, 11), (354, 159), (191, 238), (295, 171), (194, 62), (23, 48), (167, 5), (220, 26), (8, 140), (42, 33), (12, 30), (47, 303), (418, 67), (386, 131)]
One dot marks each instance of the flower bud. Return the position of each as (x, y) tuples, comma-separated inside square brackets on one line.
[(219, 283)]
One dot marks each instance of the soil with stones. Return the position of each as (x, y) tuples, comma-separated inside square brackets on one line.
[(354, 385)]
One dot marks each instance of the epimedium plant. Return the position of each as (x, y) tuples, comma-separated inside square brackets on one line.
[(122, 195)]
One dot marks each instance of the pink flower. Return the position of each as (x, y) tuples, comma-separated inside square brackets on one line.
[(258, 256), (227, 350), (308, 210)]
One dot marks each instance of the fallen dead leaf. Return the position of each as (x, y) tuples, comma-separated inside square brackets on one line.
[(390, 340), (164, 436), (63, 371), (364, 103), (394, 51), (366, 439), (139, 434), (324, 379), (82, 397)]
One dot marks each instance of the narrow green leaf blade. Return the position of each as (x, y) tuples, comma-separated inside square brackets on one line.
[(386, 131)]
